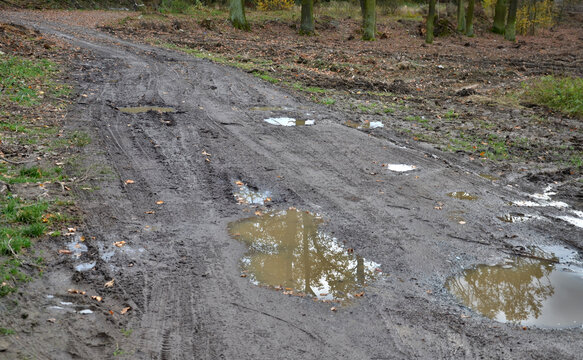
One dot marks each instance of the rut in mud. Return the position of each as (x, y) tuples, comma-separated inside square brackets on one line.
[(184, 288)]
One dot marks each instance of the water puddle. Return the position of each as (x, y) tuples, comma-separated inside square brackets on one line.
[(365, 125), (400, 167), (576, 220), (526, 291), (541, 200), (285, 121), (76, 247), (245, 195), (462, 195), (517, 217), (85, 266), (287, 252), (490, 177), (145, 109), (266, 108)]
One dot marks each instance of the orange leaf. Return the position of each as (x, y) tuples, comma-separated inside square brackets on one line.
[(125, 310), (64, 251), (130, 181), (159, 202), (109, 283)]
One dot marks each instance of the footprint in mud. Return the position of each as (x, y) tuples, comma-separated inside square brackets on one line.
[(287, 252)]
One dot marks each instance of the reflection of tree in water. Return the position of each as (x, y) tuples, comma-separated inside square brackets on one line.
[(288, 250), (517, 292)]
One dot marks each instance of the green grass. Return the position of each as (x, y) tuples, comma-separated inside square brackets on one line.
[(24, 81), (327, 101), (563, 94), (5, 331)]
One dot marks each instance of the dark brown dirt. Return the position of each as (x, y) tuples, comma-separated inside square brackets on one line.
[(178, 272)]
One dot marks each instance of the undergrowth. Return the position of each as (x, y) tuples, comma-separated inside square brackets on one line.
[(564, 94)]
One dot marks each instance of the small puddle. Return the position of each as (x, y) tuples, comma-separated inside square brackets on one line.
[(76, 247), (287, 252), (244, 195), (400, 167), (85, 266), (266, 108), (285, 121), (462, 195), (365, 125), (516, 218), (145, 109), (490, 177), (576, 220), (526, 291)]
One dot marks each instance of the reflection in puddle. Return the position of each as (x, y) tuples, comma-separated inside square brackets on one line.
[(85, 266), (76, 247), (400, 167), (365, 125), (145, 109), (285, 121), (526, 291), (516, 218), (576, 220), (462, 195), (245, 195), (287, 251)]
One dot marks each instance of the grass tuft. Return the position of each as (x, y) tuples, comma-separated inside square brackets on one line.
[(563, 94)]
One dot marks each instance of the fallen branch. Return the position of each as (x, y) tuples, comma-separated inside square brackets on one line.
[(2, 158)]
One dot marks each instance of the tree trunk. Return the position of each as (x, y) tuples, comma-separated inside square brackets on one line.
[(470, 18), (237, 14), (499, 17), (307, 26), (430, 22), (510, 31), (362, 12), (461, 16), (369, 28)]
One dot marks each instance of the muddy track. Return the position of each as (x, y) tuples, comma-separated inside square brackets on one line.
[(180, 270)]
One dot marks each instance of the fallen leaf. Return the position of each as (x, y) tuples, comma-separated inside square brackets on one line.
[(333, 308), (65, 251), (109, 283), (243, 275), (130, 181), (110, 312), (258, 213), (75, 291), (125, 310), (119, 243), (360, 294), (82, 238), (52, 320), (267, 199), (207, 160), (239, 183), (159, 202), (97, 298), (71, 230), (150, 212)]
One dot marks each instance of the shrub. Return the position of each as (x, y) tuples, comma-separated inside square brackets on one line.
[(265, 5)]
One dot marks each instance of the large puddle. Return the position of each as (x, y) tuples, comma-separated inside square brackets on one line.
[(526, 291), (288, 252)]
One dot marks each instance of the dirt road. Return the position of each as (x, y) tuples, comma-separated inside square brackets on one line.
[(179, 271)]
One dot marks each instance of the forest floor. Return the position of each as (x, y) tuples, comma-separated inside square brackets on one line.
[(153, 192)]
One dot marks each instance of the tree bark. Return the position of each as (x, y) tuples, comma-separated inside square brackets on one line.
[(461, 16), (307, 25), (369, 28), (499, 17), (237, 14), (430, 22), (510, 31), (470, 18)]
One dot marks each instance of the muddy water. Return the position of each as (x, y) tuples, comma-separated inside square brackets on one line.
[(462, 195), (526, 291), (144, 109), (288, 252)]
